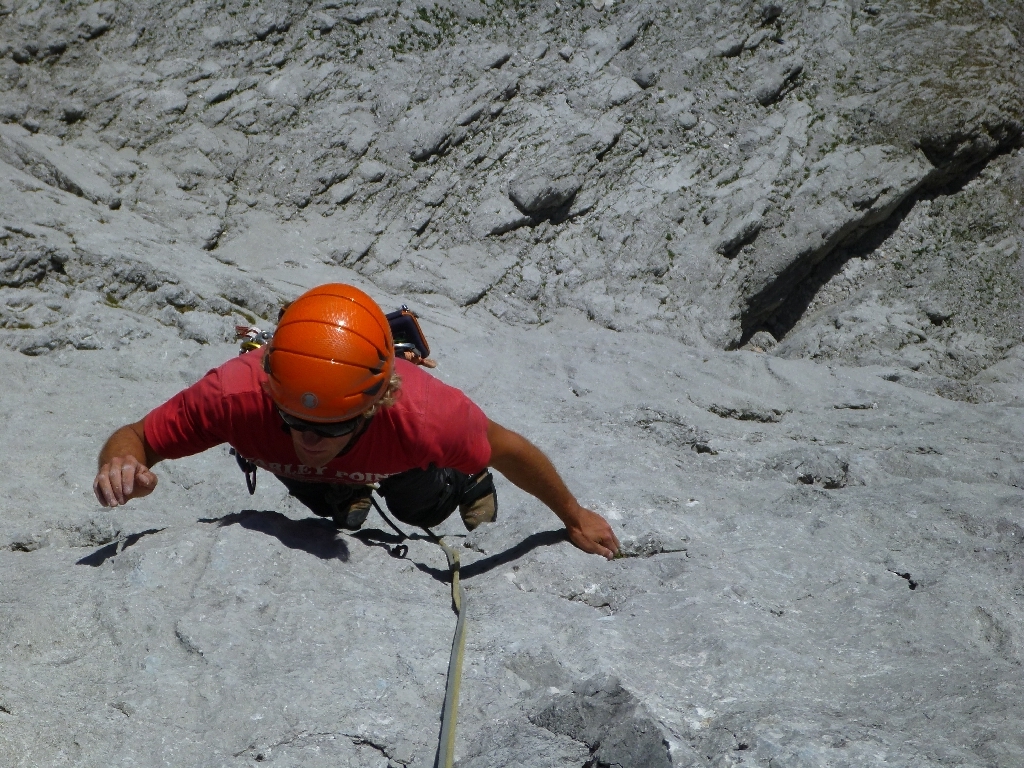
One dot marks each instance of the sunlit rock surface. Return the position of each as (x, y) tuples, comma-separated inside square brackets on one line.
[(748, 272)]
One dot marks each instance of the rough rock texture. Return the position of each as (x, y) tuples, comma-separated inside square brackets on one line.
[(716, 167), (750, 272)]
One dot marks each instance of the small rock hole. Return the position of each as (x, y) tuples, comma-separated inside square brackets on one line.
[(910, 582)]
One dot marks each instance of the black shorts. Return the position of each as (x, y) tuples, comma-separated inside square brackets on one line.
[(420, 497)]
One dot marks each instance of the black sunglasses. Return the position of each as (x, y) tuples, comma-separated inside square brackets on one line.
[(330, 429)]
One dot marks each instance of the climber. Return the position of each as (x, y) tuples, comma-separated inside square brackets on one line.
[(328, 410)]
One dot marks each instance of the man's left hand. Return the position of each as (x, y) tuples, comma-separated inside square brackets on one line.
[(523, 463), (591, 533)]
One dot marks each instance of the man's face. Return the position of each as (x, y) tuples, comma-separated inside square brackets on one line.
[(316, 451)]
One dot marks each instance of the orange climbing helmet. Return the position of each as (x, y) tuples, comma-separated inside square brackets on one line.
[(331, 357)]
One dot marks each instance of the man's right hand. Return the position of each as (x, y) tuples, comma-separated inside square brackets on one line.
[(123, 474), (121, 479)]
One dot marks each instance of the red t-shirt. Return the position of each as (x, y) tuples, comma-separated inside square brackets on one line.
[(431, 423)]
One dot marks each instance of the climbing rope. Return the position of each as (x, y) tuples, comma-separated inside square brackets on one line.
[(449, 713), (446, 745)]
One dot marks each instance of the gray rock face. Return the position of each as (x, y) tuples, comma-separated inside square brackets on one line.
[(750, 273), (768, 89), (360, 13), (221, 90), (734, 561), (533, 194), (496, 216), (814, 467), (47, 160), (646, 77), (729, 46), (606, 718)]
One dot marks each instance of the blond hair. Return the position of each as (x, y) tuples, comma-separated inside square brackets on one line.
[(390, 396)]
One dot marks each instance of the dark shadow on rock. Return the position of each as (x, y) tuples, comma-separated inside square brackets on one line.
[(782, 304), (104, 553), (315, 536), (610, 720), (394, 545), (531, 542), (373, 537), (557, 215)]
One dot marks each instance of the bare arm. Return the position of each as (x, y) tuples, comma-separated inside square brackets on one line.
[(525, 465), (124, 464)]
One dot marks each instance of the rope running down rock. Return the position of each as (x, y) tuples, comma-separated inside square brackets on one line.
[(449, 713)]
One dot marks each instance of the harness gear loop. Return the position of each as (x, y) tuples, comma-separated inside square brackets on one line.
[(388, 520), (249, 468), (449, 713)]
